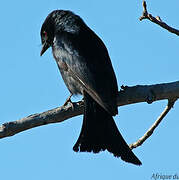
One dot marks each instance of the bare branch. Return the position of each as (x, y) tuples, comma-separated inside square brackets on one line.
[(52, 116), (157, 20), (153, 127), (127, 95)]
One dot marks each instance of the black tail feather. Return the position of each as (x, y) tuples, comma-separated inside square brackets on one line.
[(99, 132)]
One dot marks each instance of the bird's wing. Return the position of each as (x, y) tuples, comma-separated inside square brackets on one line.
[(88, 61)]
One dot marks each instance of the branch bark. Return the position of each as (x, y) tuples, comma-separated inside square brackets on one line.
[(127, 95), (157, 20)]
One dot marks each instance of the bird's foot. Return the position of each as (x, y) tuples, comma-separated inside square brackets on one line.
[(68, 100)]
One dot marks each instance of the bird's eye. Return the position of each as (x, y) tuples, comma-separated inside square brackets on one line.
[(45, 35)]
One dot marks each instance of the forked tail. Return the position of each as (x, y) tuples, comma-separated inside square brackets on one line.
[(99, 132)]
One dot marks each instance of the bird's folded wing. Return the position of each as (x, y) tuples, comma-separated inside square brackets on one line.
[(91, 68)]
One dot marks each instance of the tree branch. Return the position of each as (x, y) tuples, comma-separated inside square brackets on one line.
[(154, 126), (127, 95), (157, 20)]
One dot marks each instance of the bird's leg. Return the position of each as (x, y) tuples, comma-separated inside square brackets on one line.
[(68, 100)]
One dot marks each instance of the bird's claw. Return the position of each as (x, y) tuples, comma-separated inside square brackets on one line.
[(68, 100)]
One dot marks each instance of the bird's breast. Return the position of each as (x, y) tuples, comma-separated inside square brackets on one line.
[(61, 58)]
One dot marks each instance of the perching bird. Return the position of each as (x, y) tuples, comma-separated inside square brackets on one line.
[(86, 68)]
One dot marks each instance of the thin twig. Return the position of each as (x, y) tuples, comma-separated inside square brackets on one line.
[(156, 20), (154, 126)]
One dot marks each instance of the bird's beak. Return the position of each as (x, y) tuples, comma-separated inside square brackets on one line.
[(45, 46)]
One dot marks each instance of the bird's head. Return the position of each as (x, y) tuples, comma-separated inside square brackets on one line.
[(47, 33), (58, 21), (48, 29)]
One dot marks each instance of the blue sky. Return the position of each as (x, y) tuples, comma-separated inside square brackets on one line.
[(141, 53)]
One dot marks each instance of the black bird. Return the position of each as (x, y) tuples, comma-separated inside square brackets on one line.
[(86, 68)]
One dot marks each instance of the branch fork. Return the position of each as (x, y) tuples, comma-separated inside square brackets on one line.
[(156, 20)]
